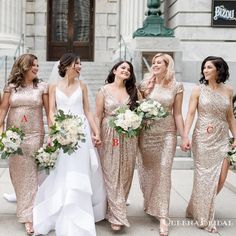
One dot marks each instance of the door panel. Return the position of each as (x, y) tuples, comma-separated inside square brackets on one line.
[(70, 28)]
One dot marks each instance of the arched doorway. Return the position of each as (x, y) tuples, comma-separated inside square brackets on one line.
[(70, 28)]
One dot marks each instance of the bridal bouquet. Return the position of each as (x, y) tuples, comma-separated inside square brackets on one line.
[(151, 109), (126, 122), (67, 132), (10, 142), (46, 157)]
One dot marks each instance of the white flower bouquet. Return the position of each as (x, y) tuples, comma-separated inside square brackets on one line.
[(151, 109), (46, 157), (10, 142), (126, 122), (67, 132)]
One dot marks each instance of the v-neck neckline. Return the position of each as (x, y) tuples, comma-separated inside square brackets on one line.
[(68, 97), (116, 100)]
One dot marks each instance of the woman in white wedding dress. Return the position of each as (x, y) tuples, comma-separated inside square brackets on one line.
[(72, 198)]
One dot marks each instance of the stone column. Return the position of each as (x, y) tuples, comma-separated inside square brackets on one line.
[(36, 27), (131, 17), (11, 25)]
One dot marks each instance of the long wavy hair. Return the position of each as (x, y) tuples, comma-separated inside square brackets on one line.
[(222, 69), (65, 61), (22, 64), (170, 71), (129, 83)]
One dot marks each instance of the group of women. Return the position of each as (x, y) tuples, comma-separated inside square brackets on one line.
[(86, 187)]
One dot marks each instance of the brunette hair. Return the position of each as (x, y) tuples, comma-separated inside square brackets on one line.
[(66, 60), (22, 64), (222, 69), (129, 84)]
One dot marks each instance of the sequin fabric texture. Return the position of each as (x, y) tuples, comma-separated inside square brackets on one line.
[(118, 156), (157, 147), (26, 112), (210, 143)]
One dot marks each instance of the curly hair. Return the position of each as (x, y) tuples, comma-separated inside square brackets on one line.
[(129, 83), (222, 69), (66, 60), (22, 64)]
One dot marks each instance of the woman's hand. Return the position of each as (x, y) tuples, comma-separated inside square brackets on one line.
[(185, 145), (96, 140)]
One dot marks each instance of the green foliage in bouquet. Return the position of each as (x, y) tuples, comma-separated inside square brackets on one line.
[(150, 110), (126, 122), (46, 157), (67, 132)]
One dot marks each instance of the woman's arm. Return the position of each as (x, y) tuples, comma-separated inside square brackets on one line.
[(4, 108), (177, 113), (193, 102), (52, 104), (90, 115), (99, 108), (46, 107), (231, 118)]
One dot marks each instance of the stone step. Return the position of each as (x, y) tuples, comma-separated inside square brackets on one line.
[(180, 153), (184, 163)]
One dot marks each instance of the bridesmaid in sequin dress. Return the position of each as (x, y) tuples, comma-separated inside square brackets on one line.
[(158, 144), (118, 154), (24, 98), (210, 141)]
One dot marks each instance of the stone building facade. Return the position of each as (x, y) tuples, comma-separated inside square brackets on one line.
[(25, 23)]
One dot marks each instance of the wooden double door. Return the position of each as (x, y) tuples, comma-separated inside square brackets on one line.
[(70, 28)]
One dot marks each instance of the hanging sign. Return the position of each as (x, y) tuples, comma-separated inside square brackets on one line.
[(223, 13)]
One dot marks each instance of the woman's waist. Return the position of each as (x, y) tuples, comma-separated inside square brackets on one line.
[(24, 117), (202, 124)]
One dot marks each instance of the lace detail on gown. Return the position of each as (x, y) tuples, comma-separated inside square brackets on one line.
[(72, 197)]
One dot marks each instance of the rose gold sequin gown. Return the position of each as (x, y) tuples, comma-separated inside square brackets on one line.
[(26, 112), (118, 156), (210, 143), (157, 147)]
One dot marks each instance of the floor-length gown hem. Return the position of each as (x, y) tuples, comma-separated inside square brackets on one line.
[(73, 196), (210, 144)]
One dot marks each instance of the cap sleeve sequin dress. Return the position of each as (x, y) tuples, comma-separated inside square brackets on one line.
[(26, 112), (210, 144), (157, 147), (118, 156)]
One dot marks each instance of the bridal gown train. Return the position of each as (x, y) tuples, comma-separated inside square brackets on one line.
[(72, 198)]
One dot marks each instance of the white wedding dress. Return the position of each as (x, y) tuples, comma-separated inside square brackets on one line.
[(72, 198)]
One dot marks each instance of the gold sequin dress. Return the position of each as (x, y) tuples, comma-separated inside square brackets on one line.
[(210, 143), (118, 156), (26, 112), (157, 147)]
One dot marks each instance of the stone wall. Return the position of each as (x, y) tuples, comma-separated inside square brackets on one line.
[(191, 21), (107, 28), (36, 27)]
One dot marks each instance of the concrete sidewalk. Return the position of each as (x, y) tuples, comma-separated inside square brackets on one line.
[(142, 224)]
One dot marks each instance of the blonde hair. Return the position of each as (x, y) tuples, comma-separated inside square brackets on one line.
[(170, 72)]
